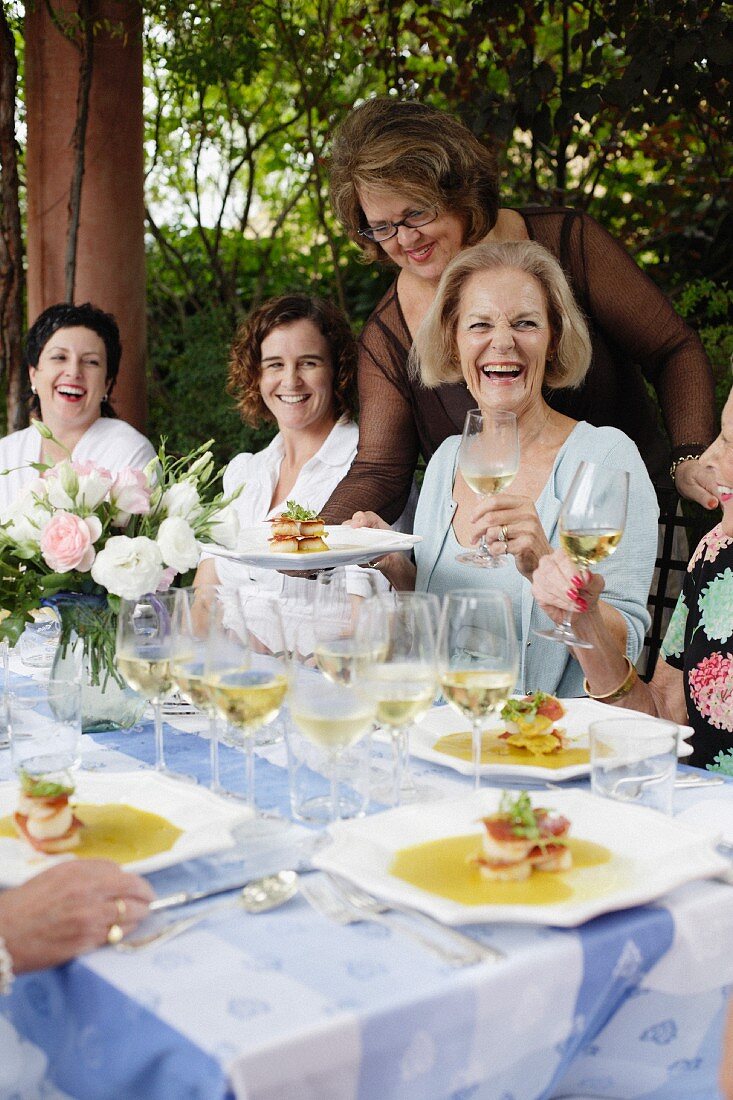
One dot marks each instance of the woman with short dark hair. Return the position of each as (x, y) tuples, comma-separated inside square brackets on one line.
[(73, 357)]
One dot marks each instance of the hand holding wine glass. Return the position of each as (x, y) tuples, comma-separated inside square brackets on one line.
[(591, 523), (478, 658), (488, 459)]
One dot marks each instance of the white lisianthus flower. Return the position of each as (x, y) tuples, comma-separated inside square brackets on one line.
[(63, 485), (129, 567), (203, 467), (25, 518), (94, 484), (224, 527), (178, 544), (182, 500)]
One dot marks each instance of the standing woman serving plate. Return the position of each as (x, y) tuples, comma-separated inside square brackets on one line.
[(73, 357)]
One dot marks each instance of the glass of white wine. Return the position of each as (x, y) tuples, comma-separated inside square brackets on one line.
[(591, 523), (246, 678), (331, 716), (143, 654), (340, 595), (397, 669), (488, 459), (191, 615), (478, 659)]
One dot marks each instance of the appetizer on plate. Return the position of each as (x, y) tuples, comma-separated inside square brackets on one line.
[(297, 531), (520, 838), (44, 818), (529, 723)]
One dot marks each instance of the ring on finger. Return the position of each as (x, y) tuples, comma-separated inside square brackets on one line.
[(121, 908), (503, 533), (114, 934)]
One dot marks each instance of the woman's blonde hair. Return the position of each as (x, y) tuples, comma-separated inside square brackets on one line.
[(418, 151), (434, 356)]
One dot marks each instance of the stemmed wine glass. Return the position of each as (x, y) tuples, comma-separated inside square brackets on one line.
[(488, 458), (331, 714), (191, 616), (478, 658), (591, 523), (143, 654), (340, 596), (246, 678), (396, 668)]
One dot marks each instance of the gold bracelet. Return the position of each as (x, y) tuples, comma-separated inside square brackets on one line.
[(686, 458), (621, 691)]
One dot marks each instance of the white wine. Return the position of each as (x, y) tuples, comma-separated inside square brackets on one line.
[(247, 699), (150, 676), (487, 484), (333, 731), (403, 691), (590, 546), (189, 679), (340, 660), (476, 692), (337, 659)]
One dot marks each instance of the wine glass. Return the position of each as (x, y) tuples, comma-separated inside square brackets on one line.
[(396, 668), (246, 678), (340, 596), (332, 715), (478, 658), (143, 654), (592, 521), (488, 459), (190, 635)]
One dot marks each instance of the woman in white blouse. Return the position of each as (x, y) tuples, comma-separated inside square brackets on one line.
[(73, 358), (293, 361)]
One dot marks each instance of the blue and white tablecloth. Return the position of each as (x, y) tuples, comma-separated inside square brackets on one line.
[(288, 1006)]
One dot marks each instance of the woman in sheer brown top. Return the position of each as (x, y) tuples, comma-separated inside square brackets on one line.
[(412, 187)]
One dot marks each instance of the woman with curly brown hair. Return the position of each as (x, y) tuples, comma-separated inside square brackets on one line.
[(292, 362), (413, 187)]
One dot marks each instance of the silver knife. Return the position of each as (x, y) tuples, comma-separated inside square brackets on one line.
[(185, 897)]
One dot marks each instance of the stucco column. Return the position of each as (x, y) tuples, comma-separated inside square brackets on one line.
[(111, 251)]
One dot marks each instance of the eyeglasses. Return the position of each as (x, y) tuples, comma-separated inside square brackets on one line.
[(415, 220)]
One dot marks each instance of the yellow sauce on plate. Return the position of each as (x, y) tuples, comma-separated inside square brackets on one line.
[(445, 867), (114, 830), (494, 751)]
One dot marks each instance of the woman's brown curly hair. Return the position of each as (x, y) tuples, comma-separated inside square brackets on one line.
[(417, 151), (245, 354)]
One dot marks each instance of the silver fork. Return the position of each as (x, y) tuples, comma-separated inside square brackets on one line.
[(328, 896)]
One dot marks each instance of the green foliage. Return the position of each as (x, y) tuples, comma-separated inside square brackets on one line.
[(708, 307)]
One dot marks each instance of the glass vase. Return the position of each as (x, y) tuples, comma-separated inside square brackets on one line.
[(86, 655)]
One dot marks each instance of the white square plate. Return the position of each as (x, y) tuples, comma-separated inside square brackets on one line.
[(652, 854), (347, 546), (440, 721), (206, 819)]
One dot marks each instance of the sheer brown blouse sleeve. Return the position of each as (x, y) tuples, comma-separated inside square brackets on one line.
[(381, 476), (640, 321)]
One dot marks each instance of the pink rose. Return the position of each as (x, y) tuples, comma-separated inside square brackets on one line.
[(130, 496), (66, 543)]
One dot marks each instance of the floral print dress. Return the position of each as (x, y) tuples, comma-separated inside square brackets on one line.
[(699, 642)]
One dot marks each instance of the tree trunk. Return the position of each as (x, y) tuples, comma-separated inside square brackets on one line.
[(11, 240), (78, 144)]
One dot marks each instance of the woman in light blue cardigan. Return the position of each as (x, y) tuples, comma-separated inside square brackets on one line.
[(505, 320)]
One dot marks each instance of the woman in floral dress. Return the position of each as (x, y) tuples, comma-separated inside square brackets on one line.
[(693, 680)]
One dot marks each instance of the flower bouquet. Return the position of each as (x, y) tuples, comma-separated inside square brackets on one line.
[(80, 539)]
